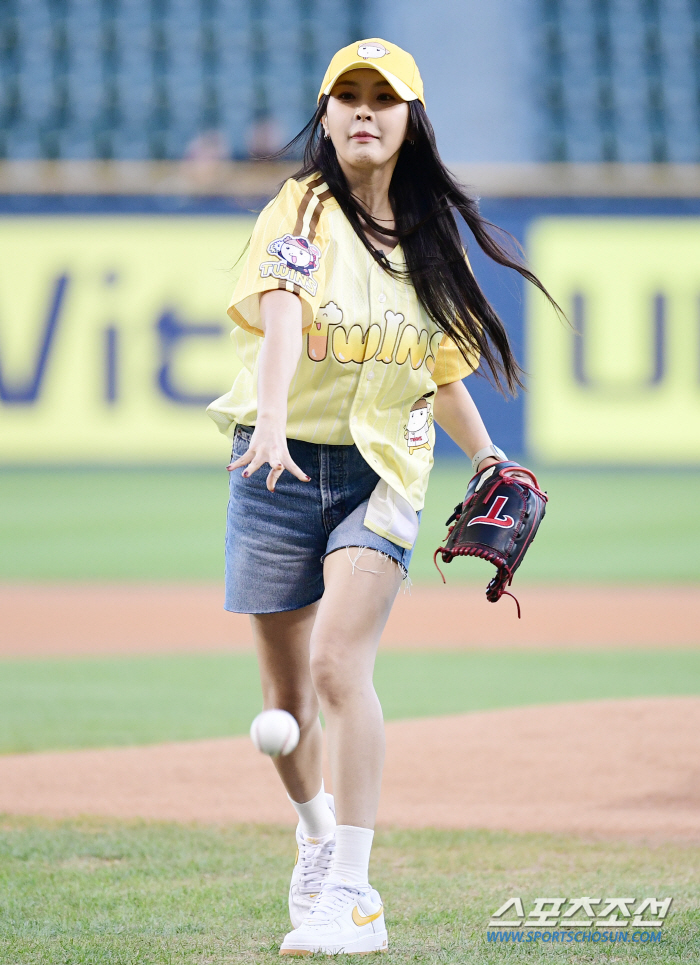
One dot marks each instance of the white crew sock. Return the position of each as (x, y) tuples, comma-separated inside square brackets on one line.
[(352, 850), (315, 816)]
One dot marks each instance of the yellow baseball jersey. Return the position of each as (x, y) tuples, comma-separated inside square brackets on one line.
[(372, 358)]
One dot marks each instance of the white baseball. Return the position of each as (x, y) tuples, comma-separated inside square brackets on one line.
[(275, 732)]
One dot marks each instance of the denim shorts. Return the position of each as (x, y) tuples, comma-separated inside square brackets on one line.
[(276, 542)]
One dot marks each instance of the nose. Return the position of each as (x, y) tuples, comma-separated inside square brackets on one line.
[(363, 114)]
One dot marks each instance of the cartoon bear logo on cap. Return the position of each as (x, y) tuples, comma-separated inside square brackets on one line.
[(371, 51), (296, 252)]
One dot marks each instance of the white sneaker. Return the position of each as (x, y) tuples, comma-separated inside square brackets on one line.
[(345, 919), (311, 866)]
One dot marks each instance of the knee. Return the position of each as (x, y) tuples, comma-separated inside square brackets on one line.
[(331, 677), (302, 706)]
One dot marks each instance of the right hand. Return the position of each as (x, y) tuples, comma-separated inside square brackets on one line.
[(268, 444)]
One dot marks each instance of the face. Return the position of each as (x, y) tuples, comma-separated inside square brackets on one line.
[(372, 50), (366, 119), (417, 418), (295, 255)]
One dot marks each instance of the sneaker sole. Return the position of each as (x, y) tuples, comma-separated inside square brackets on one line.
[(367, 945)]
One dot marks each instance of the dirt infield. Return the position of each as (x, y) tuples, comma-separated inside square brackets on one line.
[(90, 618), (621, 768), (627, 768)]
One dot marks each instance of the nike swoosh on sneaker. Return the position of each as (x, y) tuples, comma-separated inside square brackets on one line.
[(365, 919)]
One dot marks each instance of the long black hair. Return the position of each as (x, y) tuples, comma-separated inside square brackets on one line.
[(424, 196)]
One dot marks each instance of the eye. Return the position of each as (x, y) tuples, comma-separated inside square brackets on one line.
[(386, 98), (345, 95)]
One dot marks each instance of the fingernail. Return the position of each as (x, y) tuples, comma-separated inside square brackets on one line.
[(308, 478), (246, 474)]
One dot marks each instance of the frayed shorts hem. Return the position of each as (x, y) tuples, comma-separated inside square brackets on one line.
[(300, 606), (383, 551), (277, 609)]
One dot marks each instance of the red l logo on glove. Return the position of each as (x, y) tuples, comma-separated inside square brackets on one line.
[(493, 517)]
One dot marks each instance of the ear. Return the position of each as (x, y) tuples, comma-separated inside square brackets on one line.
[(324, 125)]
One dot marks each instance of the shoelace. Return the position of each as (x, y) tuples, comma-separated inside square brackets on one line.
[(331, 901), (314, 864)]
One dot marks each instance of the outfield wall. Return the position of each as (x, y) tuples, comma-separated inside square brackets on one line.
[(113, 332)]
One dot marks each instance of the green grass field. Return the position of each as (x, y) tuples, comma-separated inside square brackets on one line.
[(601, 526), (108, 893), (101, 702)]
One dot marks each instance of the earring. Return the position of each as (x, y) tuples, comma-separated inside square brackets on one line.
[(326, 136), (411, 141)]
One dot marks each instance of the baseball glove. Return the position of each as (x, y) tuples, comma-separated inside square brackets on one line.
[(497, 521)]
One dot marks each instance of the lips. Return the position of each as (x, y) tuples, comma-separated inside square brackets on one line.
[(364, 136)]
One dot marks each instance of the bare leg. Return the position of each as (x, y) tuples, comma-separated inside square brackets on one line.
[(282, 644), (349, 622)]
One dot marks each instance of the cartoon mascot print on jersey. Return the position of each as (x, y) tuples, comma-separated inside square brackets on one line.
[(317, 341), (297, 258), (296, 253), (420, 420)]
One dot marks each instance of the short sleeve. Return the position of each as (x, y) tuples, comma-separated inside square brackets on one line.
[(288, 250), (450, 364)]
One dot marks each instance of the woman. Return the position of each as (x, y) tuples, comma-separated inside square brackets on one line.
[(357, 318)]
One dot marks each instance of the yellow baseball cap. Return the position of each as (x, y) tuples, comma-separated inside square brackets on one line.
[(394, 64)]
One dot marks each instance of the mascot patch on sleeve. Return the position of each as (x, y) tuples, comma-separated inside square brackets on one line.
[(297, 259)]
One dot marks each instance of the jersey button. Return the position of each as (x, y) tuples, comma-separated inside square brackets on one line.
[(382, 297), (370, 376)]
